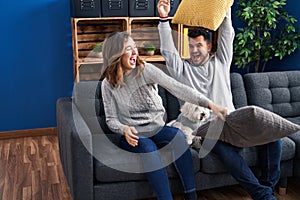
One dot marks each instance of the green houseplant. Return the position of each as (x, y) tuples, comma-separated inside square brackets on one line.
[(269, 32), (149, 49), (97, 50)]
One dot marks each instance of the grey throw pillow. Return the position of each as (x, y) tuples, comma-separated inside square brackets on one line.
[(248, 126)]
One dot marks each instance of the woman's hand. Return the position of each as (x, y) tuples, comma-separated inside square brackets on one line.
[(163, 8), (130, 135), (220, 111)]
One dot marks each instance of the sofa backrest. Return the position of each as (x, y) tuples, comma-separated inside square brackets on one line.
[(238, 90), (88, 100), (170, 102), (278, 92)]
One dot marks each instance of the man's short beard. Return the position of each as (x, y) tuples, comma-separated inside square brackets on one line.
[(202, 62)]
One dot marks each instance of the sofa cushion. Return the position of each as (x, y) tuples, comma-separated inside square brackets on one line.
[(249, 126), (278, 92), (105, 173), (115, 166), (295, 120), (238, 90), (207, 14), (88, 100), (170, 102), (296, 138), (212, 164)]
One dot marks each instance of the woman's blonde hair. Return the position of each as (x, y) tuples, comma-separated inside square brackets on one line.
[(112, 50)]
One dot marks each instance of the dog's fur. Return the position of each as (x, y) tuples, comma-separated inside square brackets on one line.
[(189, 120)]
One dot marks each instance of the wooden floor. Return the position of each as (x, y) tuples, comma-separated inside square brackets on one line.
[(30, 168)]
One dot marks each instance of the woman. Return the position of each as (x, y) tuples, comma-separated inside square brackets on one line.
[(134, 109)]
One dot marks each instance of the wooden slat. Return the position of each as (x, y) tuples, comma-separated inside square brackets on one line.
[(86, 54), (92, 37), (28, 133), (154, 58), (88, 45), (90, 60), (140, 43), (145, 36), (105, 28), (75, 49)]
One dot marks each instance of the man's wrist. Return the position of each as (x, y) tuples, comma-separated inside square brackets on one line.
[(164, 18)]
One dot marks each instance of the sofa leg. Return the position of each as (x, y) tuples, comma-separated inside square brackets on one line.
[(282, 186), (282, 191)]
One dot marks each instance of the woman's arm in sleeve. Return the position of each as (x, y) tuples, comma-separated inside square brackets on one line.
[(176, 88), (110, 109)]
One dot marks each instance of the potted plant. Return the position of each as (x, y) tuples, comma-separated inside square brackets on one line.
[(149, 49), (269, 32), (97, 50)]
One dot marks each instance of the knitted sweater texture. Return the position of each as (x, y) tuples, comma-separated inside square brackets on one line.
[(138, 103)]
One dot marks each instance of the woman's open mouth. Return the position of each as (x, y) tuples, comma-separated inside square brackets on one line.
[(132, 60)]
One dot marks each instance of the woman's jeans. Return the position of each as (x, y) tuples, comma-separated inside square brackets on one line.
[(152, 163), (269, 158)]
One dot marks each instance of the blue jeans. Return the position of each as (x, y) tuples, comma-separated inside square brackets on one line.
[(158, 178), (269, 158)]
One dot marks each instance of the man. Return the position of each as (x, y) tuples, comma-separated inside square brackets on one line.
[(210, 74)]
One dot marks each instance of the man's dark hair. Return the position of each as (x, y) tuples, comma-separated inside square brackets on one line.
[(193, 33)]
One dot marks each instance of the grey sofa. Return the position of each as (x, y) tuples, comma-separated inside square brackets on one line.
[(89, 151)]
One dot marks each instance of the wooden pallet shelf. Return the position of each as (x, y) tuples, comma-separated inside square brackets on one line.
[(87, 32)]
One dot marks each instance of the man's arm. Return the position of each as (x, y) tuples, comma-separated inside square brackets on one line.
[(169, 51), (225, 40), (167, 46), (176, 88)]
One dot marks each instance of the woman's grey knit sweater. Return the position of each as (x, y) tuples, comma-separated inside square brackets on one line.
[(138, 104)]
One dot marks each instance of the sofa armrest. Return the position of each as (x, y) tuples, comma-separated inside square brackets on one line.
[(76, 160), (296, 138)]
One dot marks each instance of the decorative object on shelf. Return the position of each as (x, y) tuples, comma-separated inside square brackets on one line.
[(97, 50), (149, 49), (269, 32)]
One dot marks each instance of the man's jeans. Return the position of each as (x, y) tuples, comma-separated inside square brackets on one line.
[(269, 158), (153, 166)]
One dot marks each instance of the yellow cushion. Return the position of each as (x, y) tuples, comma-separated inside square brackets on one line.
[(205, 13)]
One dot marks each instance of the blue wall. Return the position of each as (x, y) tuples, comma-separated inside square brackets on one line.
[(36, 60)]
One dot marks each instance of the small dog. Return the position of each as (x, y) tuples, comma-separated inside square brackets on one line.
[(189, 120)]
